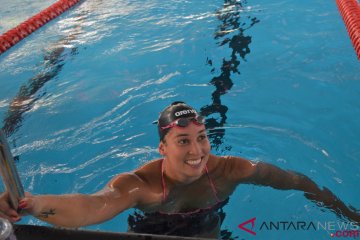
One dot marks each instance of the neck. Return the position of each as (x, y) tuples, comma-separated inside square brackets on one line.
[(174, 177)]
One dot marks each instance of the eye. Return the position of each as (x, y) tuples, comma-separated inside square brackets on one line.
[(202, 137), (183, 141)]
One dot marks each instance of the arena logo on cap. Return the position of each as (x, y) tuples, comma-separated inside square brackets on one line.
[(183, 112)]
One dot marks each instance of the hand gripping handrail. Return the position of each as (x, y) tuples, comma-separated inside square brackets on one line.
[(16, 34), (350, 12)]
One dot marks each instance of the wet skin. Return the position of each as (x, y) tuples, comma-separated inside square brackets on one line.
[(186, 152)]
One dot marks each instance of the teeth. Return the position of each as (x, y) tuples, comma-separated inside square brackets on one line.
[(194, 162)]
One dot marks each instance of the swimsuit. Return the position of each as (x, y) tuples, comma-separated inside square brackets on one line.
[(188, 223)]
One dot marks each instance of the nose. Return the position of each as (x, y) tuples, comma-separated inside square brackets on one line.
[(195, 149)]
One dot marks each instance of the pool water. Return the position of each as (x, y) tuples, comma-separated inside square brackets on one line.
[(277, 82)]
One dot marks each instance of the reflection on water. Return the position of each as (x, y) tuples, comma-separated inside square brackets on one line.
[(230, 32), (89, 24), (28, 93)]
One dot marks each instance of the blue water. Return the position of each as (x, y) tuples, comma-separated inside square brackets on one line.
[(279, 81)]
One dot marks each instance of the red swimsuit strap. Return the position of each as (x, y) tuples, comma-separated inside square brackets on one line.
[(212, 184), (163, 181)]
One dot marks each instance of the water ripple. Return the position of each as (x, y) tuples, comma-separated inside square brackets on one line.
[(283, 131), (4, 103)]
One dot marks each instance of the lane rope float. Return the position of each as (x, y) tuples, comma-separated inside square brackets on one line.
[(16, 34), (350, 12)]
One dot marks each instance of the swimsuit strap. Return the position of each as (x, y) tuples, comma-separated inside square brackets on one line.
[(163, 181), (212, 185)]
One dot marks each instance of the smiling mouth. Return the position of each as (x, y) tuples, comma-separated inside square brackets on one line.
[(195, 162)]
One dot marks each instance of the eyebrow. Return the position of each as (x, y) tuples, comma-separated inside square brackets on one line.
[(185, 134)]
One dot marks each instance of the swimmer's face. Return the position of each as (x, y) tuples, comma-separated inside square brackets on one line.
[(186, 150)]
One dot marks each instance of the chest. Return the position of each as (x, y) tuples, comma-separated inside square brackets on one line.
[(204, 194)]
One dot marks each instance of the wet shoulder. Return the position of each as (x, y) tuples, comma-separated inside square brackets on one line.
[(150, 174), (232, 168), (228, 171), (145, 177), (220, 167)]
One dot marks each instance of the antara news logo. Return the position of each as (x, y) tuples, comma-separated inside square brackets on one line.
[(336, 229)]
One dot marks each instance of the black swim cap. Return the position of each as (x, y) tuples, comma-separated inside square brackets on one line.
[(171, 113)]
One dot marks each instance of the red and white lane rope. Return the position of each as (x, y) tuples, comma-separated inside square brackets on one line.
[(15, 35), (350, 12)]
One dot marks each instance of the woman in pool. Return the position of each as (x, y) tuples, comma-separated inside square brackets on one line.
[(180, 194)]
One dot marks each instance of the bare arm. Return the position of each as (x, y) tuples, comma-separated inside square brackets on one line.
[(75, 210), (266, 174), (72, 210)]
